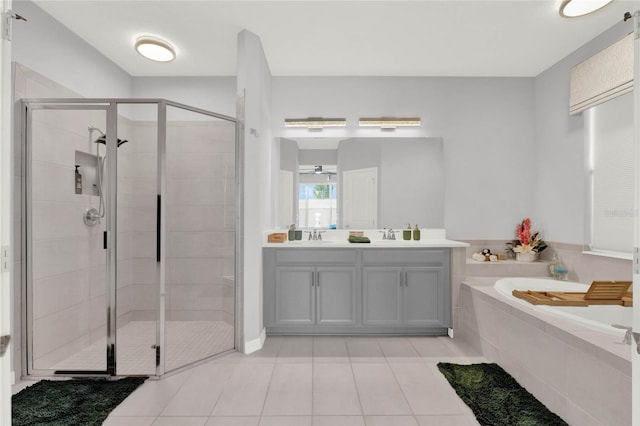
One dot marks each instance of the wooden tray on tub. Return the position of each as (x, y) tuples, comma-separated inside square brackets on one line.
[(599, 293)]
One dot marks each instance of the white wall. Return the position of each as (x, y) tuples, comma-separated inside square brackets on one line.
[(47, 47), (217, 94), (7, 373), (560, 146), (486, 125), (260, 153)]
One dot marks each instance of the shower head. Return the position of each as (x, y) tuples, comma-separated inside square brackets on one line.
[(103, 140)]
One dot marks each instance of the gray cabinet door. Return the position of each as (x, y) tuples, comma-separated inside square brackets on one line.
[(423, 293), (336, 294), (381, 295), (295, 295)]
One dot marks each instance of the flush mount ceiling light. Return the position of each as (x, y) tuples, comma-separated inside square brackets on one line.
[(389, 123), (155, 49), (315, 123), (576, 8)]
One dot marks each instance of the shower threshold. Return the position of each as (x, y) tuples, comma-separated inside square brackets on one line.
[(185, 342)]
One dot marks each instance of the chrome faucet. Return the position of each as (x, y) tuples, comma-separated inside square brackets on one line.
[(320, 235), (627, 335), (391, 235), (384, 233)]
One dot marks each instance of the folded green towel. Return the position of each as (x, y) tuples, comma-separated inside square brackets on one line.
[(353, 239)]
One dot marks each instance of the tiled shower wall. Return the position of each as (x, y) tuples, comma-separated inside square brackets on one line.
[(200, 221), (69, 287)]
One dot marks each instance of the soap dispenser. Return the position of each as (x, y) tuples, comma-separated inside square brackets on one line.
[(416, 233), (558, 269), (292, 232), (406, 234), (78, 180)]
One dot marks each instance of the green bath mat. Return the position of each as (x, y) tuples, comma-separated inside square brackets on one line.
[(70, 402), (495, 397)]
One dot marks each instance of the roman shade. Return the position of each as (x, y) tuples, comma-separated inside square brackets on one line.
[(603, 76)]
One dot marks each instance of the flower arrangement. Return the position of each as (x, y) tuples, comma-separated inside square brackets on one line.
[(527, 241)]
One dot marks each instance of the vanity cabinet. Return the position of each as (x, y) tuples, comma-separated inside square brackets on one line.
[(356, 291), (307, 295), (403, 296)]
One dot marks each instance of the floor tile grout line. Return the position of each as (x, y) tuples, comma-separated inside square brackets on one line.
[(213, 408), (355, 382), (313, 352), (266, 394), (402, 391)]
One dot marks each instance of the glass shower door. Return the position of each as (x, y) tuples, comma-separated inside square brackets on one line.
[(67, 292), (200, 203), (137, 223)]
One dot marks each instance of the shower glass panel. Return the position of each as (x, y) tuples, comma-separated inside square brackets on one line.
[(138, 278), (200, 236), (130, 212), (67, 295)]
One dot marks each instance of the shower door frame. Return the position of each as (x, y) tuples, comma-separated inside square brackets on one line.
[(110, 105)]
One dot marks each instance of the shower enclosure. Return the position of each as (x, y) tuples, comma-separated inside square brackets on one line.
[(130, 241)]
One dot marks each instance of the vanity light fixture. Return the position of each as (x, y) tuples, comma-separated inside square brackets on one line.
[(315, 123), (155, 49), (389, 123), (576, 8)]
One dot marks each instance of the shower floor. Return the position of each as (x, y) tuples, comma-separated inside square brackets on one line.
[(185, 342)]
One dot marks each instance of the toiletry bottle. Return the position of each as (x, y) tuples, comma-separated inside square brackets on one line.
[(298, 233), (292, 232), (78, 181), (416, 233), (406, 233)]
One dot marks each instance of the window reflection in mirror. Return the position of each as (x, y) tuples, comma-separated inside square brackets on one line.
[(383, 182)]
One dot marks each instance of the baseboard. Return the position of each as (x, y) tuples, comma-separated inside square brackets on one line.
[(255, 344)]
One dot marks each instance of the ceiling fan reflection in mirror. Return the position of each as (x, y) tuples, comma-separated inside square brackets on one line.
[(318, 170)]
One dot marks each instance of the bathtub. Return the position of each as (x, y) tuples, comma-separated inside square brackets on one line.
[(595, 317)]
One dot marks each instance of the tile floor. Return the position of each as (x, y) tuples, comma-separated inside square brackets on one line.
[(321, 381)]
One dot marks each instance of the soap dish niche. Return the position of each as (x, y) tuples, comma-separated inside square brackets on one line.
[(88, 164)]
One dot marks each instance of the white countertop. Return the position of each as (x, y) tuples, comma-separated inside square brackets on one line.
[(338, 238), (379, 244)]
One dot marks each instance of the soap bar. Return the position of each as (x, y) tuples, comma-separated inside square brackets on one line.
[(277, 237)]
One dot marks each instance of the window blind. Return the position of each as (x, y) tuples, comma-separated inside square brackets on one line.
[(610, 133), (603, 76)]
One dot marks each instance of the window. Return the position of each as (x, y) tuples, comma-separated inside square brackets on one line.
[(317, 205), (611, 169)]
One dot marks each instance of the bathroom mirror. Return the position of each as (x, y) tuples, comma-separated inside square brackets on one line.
[(361, 183)]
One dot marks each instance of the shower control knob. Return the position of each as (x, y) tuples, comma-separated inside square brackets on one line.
[(91, 217)]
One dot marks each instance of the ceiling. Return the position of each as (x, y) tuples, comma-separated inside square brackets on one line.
[(340, 38)]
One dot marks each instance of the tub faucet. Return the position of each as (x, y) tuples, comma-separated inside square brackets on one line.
[(627, 335)]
